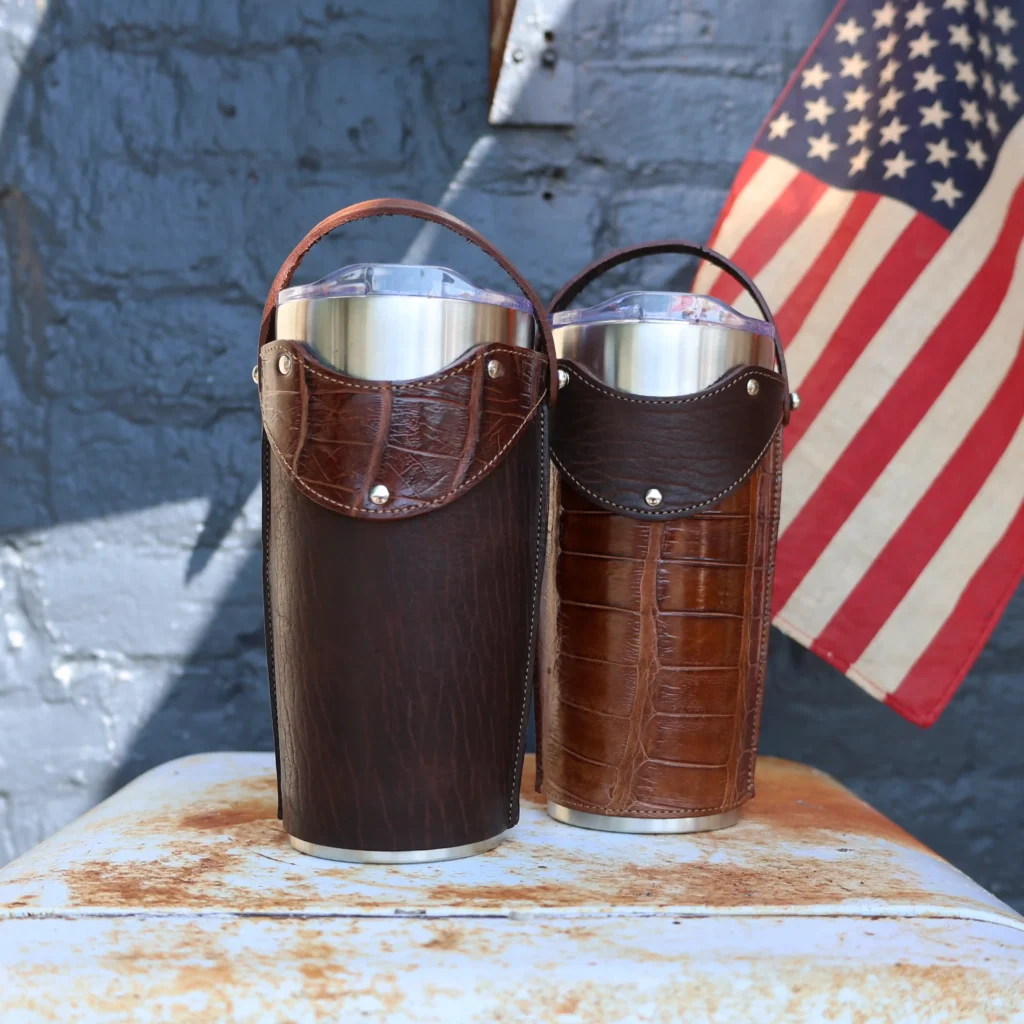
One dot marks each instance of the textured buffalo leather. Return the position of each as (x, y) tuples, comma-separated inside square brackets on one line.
[(655, 621), (428, 441), (613, 447), (653, 653), (401, 637), (404, 654)]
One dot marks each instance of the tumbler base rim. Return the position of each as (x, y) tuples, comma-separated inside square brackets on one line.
[(395, 856), (643, 826)]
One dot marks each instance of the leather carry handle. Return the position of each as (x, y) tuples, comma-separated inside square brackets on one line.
[(572, 289), (418, 211)]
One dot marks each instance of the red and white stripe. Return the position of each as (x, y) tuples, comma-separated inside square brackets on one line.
[(902, 530)]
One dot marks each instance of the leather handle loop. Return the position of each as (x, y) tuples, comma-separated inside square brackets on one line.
[(418, 211), (572, 289)]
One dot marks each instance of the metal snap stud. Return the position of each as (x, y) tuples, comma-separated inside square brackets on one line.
[(563, 377), (752, 386), (284, 365), (256, 374), (653, 497), (794, 400), (379, 494), (493, 368)]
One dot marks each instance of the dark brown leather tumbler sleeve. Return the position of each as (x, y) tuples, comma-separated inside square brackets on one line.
[(655, 620), (401, 637)]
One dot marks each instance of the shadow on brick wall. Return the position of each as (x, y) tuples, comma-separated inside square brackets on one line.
[(158, 165)]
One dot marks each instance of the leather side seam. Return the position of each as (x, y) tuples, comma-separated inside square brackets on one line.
[(268, 616), (767, 616), (531, 665), (670, 511)]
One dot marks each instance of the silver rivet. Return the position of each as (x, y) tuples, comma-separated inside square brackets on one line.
[(379, 494), (563, 377), (256, 374), (794, 400), (653, 497), (284, 364), (517, 56), (753, 387), (493, 368)]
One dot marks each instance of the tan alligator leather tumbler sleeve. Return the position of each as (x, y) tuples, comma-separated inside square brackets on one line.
[(656, 610), (404, 525)]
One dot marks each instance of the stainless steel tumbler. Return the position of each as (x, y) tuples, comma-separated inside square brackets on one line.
[(405, 486), (661, 343), (396, 322), (667, 445)]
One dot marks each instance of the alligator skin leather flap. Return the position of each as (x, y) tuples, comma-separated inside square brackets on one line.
[(613, 448), (427, 441)]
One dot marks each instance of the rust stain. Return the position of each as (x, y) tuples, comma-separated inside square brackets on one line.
[(779, 991), (199, 881), (162, 974), (109, 884), (778, 883), (462, 938), (446, 938), (190, 874), (222, 818), (790, 797), (796, 798), (323, 974), (202, 850), (569, 1004), (772, 990), (228, 804)]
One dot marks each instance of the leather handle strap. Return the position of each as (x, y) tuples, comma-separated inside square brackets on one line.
[(672, 246), (418, 211)]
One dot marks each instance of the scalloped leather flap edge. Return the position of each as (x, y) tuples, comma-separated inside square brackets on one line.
[(427, 441), (614, 448)]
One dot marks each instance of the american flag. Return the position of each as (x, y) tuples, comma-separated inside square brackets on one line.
[(881, 211)]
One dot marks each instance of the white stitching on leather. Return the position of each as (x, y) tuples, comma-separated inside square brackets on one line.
[(542, 506), (670, 511), (700, 397), (519, 353), (570, 801), (766, 619), (398, 512)]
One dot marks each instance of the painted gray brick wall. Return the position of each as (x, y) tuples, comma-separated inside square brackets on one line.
[(157, 161)]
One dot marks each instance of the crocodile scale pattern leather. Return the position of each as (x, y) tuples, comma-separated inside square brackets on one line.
[(653, 650), (427, 441)]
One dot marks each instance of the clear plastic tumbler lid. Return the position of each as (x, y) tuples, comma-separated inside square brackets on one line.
[(363, 279), (663, 307)]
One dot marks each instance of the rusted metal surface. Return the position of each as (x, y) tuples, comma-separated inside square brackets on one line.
[(201, 835), (710, 969), (179, 898)]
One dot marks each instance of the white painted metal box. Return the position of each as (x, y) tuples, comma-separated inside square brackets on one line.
[(180, 899)]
